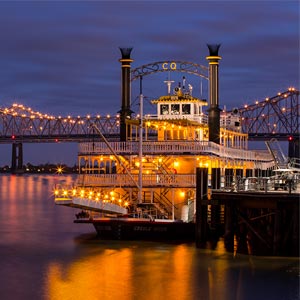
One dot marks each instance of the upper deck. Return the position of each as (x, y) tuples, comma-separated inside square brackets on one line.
[(173, 148), (179, 128), (183, 106)]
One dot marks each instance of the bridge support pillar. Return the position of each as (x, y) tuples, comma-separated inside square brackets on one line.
[(17, 158)]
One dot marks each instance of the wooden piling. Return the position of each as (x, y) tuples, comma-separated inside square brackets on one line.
[(265, 222), (201, 206), (230, 223)]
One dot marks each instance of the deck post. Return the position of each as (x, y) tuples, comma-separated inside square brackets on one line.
[(201, 206)]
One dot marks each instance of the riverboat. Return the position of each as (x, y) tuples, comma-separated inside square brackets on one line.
[(145, 187)]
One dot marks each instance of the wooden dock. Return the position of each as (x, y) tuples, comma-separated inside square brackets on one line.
[(255, 222)]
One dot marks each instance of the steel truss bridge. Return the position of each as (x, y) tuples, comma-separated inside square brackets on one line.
[(275, 117)]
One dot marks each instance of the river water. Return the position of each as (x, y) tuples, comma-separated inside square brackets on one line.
[(44, 255)]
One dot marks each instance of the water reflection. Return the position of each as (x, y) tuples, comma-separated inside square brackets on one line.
[(138, 270), (106, 276), (44, 255), (145, 270)]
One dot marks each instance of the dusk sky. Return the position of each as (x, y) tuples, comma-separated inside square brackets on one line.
[(62, 57)]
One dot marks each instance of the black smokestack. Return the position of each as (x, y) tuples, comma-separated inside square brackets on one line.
[(214, 110), (125, 111)]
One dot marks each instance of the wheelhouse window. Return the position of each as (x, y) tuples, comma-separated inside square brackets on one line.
[(186, 109), (175, 109), (164, 109)]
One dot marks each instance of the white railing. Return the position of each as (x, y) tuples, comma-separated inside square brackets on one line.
[(149, 180), (99, 205), (174, 147), (201, 119)]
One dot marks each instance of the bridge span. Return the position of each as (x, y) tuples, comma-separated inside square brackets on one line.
[(275, 117)]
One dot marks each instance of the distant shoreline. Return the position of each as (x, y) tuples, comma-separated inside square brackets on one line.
[(42, 169)]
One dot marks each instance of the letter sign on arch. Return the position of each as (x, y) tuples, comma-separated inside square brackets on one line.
[(172, 65), (166, 66)]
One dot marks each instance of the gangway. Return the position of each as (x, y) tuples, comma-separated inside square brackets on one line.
[(287, 172), (281, 161)]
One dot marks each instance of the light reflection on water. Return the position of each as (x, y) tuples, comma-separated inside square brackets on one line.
[(44, 255)]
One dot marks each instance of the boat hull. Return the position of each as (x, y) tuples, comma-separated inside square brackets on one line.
[(142, 230)]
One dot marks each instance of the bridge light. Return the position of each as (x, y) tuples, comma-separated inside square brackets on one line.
[(56, 140), (290, 138), (13, 137)]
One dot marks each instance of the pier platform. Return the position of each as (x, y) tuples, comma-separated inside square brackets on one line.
[(257, 222)]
